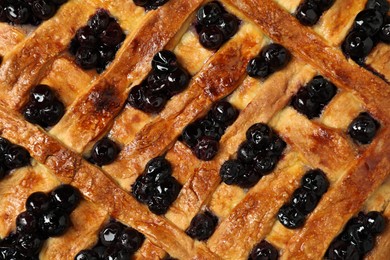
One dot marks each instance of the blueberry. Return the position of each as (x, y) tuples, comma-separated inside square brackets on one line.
[(380, 5), (115, 252), (87, 57), (323, 5), (202, 226), (340, 250), (291, 217), (248, 178), (177, 81), (11, 253), (4, 145), (130, 239), (246, 153), (209, 13), (358, 44), (375, 222), (369, 21), (42, 95), (224, 112), (206, 148), (153, 102), (87, 255), (276, 146), (231, 171), (29, 244), (32, 114), (66, 197), (228, 24), (212, 128), (303, 200), (157, 83), (38, 202), (259, 135), (142, 3), (104, 152), (150, 4), (142, 189), (99, 21), (276, 56), (358, 235), (51, 114), (99, 249), (315, 181), (158, 168), (16, 157), (17, 13), (165, 193), (363, 128), (26, 222), (54, 223), (258, 68), (211, 37), (43, 9), (191, 134), (136, 97), (111, 233), (164, 61), (305, 104), (321, 90), (3, 15), (112, 35), (384, 33), (105, 56), (308, 13), (264, 251), (265, 164), (86, 37)]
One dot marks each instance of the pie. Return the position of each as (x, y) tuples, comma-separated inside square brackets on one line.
[(160, 129)]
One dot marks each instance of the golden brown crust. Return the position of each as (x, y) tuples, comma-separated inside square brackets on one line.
[(9, 37)]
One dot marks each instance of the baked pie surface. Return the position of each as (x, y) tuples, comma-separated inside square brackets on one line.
[(97, 106)]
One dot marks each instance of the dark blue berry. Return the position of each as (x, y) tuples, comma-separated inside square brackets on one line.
[(27, 222), (164, 194), (258, 68), (51, 114), (211, 37), (130, 239), (315, 181), (375, 222), (304, 200), (164, 61), (276, 146), (380, 5), (104, 152), (99, 21), (116, 252), (259, 135), (358, 235), (11, 253), (276, 56), (87, 255), (29, 244), (363, 128), (158, 169), (358, 44), (291, 217), (86, 37), (308, 13), (177, 81), (110, 234), (249, 178), (264, 164), (369, 21), (305, 104), (17, 13), (54, 223), (228, 24), (264, 251), (323, 5), (224, 112), (212, 128), (192, 133), (153, 102), (42, 95), (143, 188), (341, 250), (209, 13), (38, 202), (112, 35), (157, 83), (16, 157), (246, 153), (66, 197), (231, 171), (136, 97), (86, 57), (4, 145), (206, 148), (202, 226), (321, 90), (43, 9), (384, 33)]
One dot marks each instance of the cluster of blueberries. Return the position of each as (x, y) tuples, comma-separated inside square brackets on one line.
[(370, 26), (96, 44), (12, 156), (203, 135), (363, 128), (43, 107), (264, 251), (256, 157), (215, 26), (166, 79), (358, 237), (309, 11), (150, 4), (202, 226), (46, 215), (313, 97), (271, 59), (116, 241), (104, 152), (156, 187), (28, 11), (304, 200)]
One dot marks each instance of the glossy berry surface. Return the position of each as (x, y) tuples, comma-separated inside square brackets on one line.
[(110, 234), (66, 197), (375, 222), (384, 32), (291, 217), (104, 152), (341, 250), (315, 181), (363, 128), (231, 171), (130, 239), (28, 244), (164, 61), (202, 226), (54, 222), (150, 4), (211, 37), (206, 148), (369, 21), (380, 5), (258, 68), (16, 157), (191, 134), (259, 135), (224, 112), (358, 44), (87, 254), (321, 90), (303, 200), (264, 251), (308, 13), (26, 222), (38, 202)]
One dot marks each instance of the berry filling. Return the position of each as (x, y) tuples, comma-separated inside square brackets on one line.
[(203, 135), (104, 152), (46, 215), (167, 79), (256, 157), (215, 26), (156, 186), (150, 4), (43, 107), (95, 45), (309, 11), (116, 241), (363, 128), (304, 200), (358, 236), (271, 59), (28, 12), (264, 251), (12, 157), (202, 226), (313, 97)]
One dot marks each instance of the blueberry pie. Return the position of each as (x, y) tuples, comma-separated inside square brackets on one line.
[(175, 129)]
